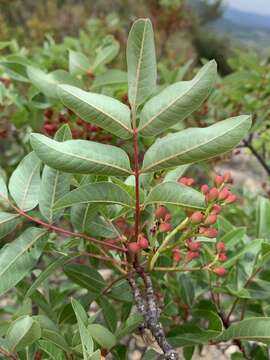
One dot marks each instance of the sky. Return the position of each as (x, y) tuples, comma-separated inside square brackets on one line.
[(257, 6)]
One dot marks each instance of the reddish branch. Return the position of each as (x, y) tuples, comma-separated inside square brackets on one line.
[(137, 182), (66, 232), (8, 354)]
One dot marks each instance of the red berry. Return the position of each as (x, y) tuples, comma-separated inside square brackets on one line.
[(211, 219), (190, 182), (205, 189), (62, 119), (228, 177), (168, 217), (165, 227), (161, 212), (209, 232), (196, 217), (231, 199), (213, 194), (193, 245), (143, 242), (218, 180), (48, 113), (177, 255), (220, 271), (183, 180), (224, 193), (222, 257), (192, 255), (220, 246), (133, 247), (216, 209)]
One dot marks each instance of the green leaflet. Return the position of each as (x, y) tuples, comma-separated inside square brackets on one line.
[(104, 111), (102, 192), (177, 101), (18, 258), (8, 222), (196, 144), (78, 63), (174, 193), (81, 156), (47, 83), (253, 329), (22, 332), (141, 62), (54, 183), (263, 218), (86, 339), (24, 183)]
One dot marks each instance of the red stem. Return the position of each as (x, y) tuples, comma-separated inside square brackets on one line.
[(66, 232), (137, 182)]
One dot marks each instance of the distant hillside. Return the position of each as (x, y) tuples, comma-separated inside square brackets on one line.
[(251, 20), (248, 28)]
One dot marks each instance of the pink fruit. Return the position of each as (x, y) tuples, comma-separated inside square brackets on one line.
[(168, 217), (193, 245), (218, 180), (165, 227), (205, 189), (143, 242), (220, 246), (216, 209), (196, 217), (134, 247), (161, 212), (228, 177), (211, 219), (222, 257), (183, 180), (177, 255), (209, 232), (190, 181), (213, 194), (192, 255), (220, 271), (224, 193), (231, 199)]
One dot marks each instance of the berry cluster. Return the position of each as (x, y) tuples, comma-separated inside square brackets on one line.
[(164, 219), (197, 224), (200, 223)]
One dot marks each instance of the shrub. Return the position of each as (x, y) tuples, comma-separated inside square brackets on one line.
[(99, 206)]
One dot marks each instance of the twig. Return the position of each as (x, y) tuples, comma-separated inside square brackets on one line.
[(166, 241), (64, 231), (8, 354), (258, 156), (237, 299)]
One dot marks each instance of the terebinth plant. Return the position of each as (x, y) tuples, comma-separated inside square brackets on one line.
[(126, 189)]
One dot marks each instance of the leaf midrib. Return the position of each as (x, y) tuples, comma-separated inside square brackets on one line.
[(28, 186), (94, 201), (86, 159), (190, 149), (172, 102), (12, 217), (53, 195), (139, 65)]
